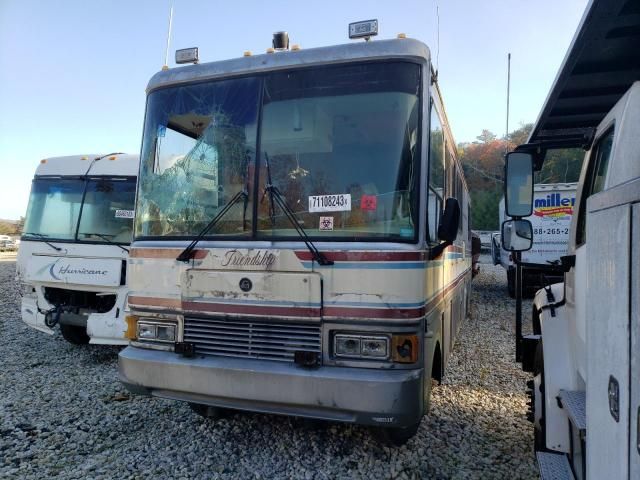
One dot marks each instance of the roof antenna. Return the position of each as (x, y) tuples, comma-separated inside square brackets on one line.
[(437, 37), (506, 135), (166, 55)]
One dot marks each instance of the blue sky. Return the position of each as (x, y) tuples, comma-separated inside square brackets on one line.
[(73, 73)]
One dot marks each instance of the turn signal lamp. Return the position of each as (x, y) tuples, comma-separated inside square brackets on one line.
[(132, 327), (404, 348)]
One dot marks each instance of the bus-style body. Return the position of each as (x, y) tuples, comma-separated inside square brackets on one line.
[(73, 250), (354, 140)]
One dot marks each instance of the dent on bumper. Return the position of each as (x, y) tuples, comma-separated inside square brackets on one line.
[(374, 397)]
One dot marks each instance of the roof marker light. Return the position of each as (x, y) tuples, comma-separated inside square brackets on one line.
[(247, 53), (44, 160), (271, 50), (187, 55), (84, 158), (402, 35), (112, 157), (365, 29), (295, 47)]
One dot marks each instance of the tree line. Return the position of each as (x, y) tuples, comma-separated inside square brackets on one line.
[(483, 162)]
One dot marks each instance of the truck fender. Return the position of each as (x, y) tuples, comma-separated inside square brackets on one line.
[(559, 366)]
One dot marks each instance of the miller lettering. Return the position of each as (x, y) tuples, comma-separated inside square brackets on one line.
[(262, 258)]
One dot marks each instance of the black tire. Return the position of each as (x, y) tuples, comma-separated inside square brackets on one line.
[(209, 412), (74, 334), (396, 436), (539, 431)]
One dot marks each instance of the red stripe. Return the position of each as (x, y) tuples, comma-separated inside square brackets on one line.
[(211, 307), (438, 298), (366, 256), (356, 312)]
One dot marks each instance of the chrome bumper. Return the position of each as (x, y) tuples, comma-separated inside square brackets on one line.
[(356, 395)]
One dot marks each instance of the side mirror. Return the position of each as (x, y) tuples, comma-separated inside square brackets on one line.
[(517, 235), (518, 184), (450, 221)]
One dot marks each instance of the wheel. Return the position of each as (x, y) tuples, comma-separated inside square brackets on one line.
[(396, 436), (209, 412), (74, 334), (537, 402)]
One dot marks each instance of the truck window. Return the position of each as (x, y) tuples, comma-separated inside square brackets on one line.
[(595, 179)]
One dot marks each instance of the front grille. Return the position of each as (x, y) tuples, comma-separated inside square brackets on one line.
[(261, 339)]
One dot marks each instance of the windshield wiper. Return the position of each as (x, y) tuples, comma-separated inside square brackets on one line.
[(187, 253), (42, 237), (274, 194), (106, 239)]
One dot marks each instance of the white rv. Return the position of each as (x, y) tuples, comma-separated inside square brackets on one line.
[(302, 244), (585, 350), (553, 206), (74, 249)]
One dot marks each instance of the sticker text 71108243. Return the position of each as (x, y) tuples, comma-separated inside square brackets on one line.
[(330, 203)]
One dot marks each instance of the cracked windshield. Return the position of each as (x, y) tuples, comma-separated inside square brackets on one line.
[(340, 145)]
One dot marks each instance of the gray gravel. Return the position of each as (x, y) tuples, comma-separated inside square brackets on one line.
[(63, 414)]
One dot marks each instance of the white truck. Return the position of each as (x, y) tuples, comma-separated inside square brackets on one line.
[(553, 205), (73, 253), (585, 348)]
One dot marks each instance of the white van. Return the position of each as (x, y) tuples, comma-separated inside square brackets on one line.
[(73, 254)]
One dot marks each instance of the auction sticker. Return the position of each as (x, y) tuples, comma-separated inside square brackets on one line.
[(330, 203), (124, 213)]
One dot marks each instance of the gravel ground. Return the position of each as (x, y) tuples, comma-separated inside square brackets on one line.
[(63, 414)]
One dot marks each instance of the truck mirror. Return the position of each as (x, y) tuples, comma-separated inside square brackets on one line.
[(450, 221), (517, 235), (518, 184)]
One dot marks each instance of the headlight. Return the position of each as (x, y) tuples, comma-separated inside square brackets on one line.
[(156, 331), (361, 346)]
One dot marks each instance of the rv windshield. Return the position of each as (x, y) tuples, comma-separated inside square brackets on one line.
[(56, 206), (340, 143)]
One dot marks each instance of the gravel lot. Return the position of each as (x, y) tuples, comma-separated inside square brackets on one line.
[(64, 414)]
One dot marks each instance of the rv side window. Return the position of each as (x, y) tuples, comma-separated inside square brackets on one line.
[(436, 174), (595, 179)]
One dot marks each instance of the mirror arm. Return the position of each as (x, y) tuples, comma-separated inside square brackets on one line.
[(439, 249)]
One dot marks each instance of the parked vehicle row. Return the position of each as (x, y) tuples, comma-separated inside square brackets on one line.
[(301, 242)]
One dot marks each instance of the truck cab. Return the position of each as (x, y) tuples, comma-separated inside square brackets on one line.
[(585, 349), (73, 253)]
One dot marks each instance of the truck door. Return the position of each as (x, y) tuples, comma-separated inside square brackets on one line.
[(634, 447), (606, 225)]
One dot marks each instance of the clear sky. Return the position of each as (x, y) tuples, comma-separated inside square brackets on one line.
[(73, 72)]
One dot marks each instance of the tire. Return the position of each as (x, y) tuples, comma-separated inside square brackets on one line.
[(539, 428), (396, 436), (209, 412), (74, 334)]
